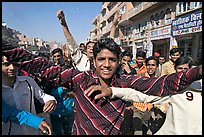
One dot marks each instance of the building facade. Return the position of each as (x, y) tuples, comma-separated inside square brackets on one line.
[(151, 26), (31, 44)]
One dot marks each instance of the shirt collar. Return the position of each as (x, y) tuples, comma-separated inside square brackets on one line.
[(94, 79), (18, 79), (171, 62)]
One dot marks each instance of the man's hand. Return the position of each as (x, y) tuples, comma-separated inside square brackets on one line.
[(69, 95), (50, 106), (104, 91), (42, 127), (200, 70), (117, 17), (61, 17), (126, 67)]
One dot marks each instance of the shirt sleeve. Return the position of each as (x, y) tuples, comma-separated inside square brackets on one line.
[(40, 68), (163, 71), (39, 93), (129, 94), (164, 85), (19, 116)]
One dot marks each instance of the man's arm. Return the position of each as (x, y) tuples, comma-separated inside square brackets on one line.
[(23, 117), (127, 94), (116, 19), (49, 101), (164, 85), (67, 33), (40, 68)]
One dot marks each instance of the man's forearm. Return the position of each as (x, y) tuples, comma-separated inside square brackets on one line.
[(69, 36), (112, 32), (165, 85)]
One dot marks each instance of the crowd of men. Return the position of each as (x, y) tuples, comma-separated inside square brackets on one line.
[(99, 90)]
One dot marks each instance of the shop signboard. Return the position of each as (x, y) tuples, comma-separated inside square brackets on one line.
[(161, 33), (186, 24)]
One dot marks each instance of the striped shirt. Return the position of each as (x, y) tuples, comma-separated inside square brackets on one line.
[(103, 116)]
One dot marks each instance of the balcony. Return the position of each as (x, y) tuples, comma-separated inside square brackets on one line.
[(106, 29), (105, 4), (111, 5), (94, 21), (110, 13), (94, 29), (124, 20), (145, 5)]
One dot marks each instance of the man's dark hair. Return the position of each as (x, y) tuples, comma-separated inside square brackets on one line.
[(106, 43), (152, 58), (141, 54), (126, 53), (6, 45), (44, 55), (162, 56), (81, 44), (174, 50), (88, 43), (57, 50), (184, 60)]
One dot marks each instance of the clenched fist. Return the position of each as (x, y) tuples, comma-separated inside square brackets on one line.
[(61, 17)]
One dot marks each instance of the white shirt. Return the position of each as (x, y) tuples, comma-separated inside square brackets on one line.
[(84, 63), (20, 97), (184, 116), (158, 71)]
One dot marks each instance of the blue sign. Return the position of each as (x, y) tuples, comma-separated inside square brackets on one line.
[(190, 23)]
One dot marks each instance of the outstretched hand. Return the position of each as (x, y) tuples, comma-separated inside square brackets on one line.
[(50, 106), (103, 91), (200, 69)]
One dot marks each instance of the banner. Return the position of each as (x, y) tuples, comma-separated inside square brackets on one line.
[(190, 23)]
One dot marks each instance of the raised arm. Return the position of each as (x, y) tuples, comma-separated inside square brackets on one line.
[(116, 19), (67, 33)]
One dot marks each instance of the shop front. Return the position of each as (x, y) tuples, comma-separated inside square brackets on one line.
[(139, 43), (160, 38), (187, 30)]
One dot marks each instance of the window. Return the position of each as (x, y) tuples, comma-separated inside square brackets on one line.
[(168, 16), (156, 19), (123, 10), (137, 27), (162, 16), (129, 30), (186, 6), (183, 7), (135, 4), (195, 5), (152, 20), (143, 26)]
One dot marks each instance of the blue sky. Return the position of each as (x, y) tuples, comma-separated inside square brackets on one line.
[(38, 19)]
